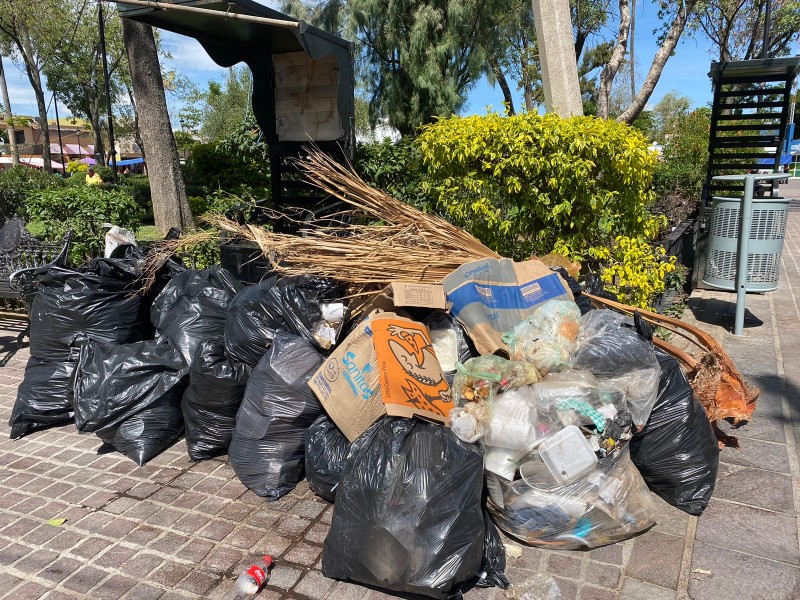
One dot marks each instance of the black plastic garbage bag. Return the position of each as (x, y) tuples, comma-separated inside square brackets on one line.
[(408, 511), (267, 447), (326, 451), (677, 452), (252, 322), (493, 564), (99, 302), (115, 382), (609, 345), (209, 405), (44, 397), (192, 308), (301, 299), (150, 431)]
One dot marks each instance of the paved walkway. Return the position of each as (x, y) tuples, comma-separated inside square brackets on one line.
[(177, 529)]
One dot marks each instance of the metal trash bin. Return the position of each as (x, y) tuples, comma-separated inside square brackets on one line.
[(767, 232)]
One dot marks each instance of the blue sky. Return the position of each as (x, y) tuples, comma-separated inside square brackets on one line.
[(686, 72)]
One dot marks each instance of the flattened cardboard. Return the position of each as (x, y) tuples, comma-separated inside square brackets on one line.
[(411, 379), (347, 383), (422, 295), (490, 296)]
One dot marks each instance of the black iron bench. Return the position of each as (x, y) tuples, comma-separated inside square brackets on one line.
[(21, 255)]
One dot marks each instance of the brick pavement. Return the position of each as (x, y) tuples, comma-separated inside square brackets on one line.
[(177, 529)]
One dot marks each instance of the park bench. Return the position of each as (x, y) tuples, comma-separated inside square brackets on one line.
[(21, 255)]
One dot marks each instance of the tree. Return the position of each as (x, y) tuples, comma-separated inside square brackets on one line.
[(31, 30), (227, 105), (674, 15), (170, 206), (668, 112), (736, 27), (12, 139), (75, 71)]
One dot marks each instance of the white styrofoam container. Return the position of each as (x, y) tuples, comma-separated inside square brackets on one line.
[(567, 454)]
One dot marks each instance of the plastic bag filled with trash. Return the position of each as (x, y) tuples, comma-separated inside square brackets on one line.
[(210, 403), (408, 514), (192, 308), (44, 397), (326, 451), (450, 342), (611, 348), (130, 395), (268, 443), (677, 452), (608, 504), (99, 302)]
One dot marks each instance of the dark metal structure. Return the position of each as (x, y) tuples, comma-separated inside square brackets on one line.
[(302, 80), (749, 118)]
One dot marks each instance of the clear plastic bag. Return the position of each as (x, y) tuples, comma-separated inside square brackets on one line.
[(483, 377), (547, 339), (536, 587), (608, 505), (610, 347), (577, 398)]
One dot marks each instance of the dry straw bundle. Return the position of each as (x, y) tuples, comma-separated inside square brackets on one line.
[(376, 240)]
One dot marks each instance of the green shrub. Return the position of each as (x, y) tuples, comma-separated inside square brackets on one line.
[(533, 184), (396, 168), (83, 209), (139, 187), (16, 183), (209, 168), (521, 184), (680, 175)]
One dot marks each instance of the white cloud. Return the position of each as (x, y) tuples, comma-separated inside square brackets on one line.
[(188, 56)]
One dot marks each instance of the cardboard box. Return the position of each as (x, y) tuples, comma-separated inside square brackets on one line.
[(422, 295), (411, 379), (490, 296), (347, 383)]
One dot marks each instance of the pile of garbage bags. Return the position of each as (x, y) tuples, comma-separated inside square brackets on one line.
[(428, 425)]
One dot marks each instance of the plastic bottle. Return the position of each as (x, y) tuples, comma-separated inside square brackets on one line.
[(251, 581)]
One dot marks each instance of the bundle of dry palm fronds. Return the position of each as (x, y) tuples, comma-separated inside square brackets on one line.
[(375, 240), (715, 380)]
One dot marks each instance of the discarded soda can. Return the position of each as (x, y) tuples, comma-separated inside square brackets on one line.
[(249, 583)]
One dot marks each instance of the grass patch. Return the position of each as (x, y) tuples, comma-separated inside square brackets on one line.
[(148, 233)]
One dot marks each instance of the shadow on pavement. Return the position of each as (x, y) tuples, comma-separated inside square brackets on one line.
[(10, 330)]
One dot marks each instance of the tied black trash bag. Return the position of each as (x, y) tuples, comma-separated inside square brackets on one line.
[(677, 452), (130, 395), (252, 322), (267, 447), (408, 511), (326, 452), (209, 405), (192, 308), (301, 299), (99, 302), (44, 397)]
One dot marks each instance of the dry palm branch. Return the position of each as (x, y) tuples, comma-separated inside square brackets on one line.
[(374, 240), (714, 378)]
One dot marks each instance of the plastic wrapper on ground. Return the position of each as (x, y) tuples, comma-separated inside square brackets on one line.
[(268, 443), (536, 587), (114, 382), (44, 398), (99, 303), (610, 347), (326, 452), (608, 505), (408, 514), (677, 452), (210, 403), (192, 308)]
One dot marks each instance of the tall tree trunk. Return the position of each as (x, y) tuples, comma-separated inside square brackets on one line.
[(617, 56), (504, 87), (527, 85), (29, 58), (170, 207), (12, 138), (99, 146), (659, 60)]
